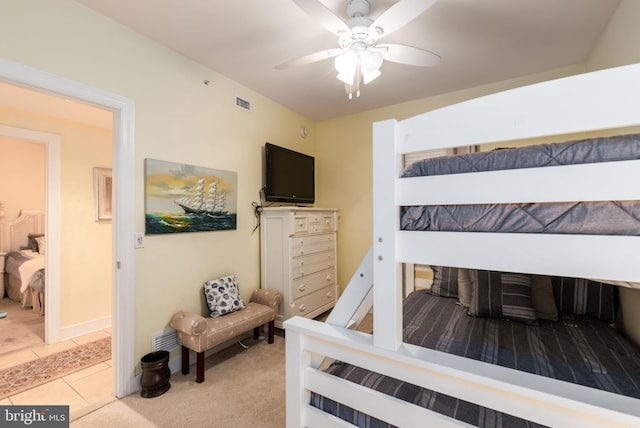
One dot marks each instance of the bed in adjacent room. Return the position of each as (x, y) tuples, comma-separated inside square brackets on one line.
[(530, 248), (22, 243)]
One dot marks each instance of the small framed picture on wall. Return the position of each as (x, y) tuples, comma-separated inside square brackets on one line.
[(103, 190)]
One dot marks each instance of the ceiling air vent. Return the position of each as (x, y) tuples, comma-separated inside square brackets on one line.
[(243, 104)]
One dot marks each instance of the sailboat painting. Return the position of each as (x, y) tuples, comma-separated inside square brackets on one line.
[(186, 198)]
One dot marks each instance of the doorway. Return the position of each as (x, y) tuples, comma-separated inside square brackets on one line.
[(123, 224)]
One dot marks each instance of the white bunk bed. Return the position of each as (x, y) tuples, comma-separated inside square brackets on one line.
[(603, 100)]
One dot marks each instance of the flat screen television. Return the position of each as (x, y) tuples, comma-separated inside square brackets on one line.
[(289, 176)]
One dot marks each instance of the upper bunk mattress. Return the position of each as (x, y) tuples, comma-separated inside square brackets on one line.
[(602, 218)]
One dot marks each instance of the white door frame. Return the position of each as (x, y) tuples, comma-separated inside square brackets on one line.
[(123, 212), (52, 227)]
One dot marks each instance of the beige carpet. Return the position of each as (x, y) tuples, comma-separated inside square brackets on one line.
[(21, 329), (242, 388)]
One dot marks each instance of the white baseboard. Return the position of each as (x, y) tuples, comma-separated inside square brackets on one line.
[(92, 326)]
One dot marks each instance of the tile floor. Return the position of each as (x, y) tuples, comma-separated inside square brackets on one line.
[(83, 391)]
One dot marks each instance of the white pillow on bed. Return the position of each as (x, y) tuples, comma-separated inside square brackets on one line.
[(41, 244)]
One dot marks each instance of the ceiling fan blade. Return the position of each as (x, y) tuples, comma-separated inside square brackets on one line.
[(409, 55), (399, 15), (308, 59), (323, 15)]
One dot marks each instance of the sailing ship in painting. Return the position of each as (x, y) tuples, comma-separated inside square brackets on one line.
[(185, 198), (211, 202)]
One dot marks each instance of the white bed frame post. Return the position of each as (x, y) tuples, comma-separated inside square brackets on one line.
[(387, 294), (297, 396)]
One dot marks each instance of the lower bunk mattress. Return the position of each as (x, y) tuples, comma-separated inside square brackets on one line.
[(577, 348)]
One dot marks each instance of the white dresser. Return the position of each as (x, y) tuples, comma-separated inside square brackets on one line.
[(298, 259)]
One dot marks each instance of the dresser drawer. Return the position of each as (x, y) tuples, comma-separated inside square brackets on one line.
[(301, 241), (312, 249), (311, 302), (306, 265), (310, 283), (300, 224), (320, 223)]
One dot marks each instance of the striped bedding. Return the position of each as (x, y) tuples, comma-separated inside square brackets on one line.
[(577, 349), (598, 218)]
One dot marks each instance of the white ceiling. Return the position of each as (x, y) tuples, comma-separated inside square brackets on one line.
[(480, 41)]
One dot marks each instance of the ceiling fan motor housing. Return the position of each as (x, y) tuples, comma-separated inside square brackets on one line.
[(357, 8)]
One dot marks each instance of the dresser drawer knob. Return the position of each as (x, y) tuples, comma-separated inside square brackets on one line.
[(329, 295), (302, 307), (329, 278), (302, 287)]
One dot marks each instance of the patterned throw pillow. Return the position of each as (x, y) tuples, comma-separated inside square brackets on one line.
[(502, 295), (445, 281), (41, 245), (223, 296), (585, 297)]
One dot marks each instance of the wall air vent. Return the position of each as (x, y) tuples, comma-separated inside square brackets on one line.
[(166, 340), (243, 104)]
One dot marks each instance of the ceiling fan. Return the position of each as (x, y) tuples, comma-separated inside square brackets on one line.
[(359, 55)]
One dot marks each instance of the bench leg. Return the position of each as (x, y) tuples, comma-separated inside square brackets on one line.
[(185, 360), (256, 333), (272, 329), (200, 367)]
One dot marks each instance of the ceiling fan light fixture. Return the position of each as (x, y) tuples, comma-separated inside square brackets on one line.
[(359, 57), (347, 78), (369, 76), (346, 62), (371, 61)]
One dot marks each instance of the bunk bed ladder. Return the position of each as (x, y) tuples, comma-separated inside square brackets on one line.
[(357, 299)]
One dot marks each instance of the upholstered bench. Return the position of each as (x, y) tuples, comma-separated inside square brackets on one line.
[(200, 333)]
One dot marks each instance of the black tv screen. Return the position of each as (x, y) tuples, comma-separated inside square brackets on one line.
[(289, 176)]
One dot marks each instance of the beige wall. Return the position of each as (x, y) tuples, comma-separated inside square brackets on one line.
[(86, 267), (22, 175), (618, 44), (178, 119)]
